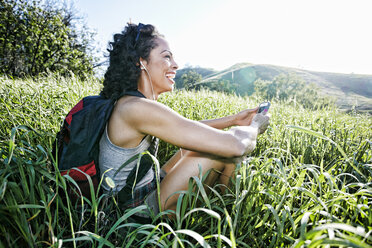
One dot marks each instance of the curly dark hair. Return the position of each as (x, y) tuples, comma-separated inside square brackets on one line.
[(135, 42)]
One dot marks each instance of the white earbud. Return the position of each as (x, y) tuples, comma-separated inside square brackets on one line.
[(142, 66)]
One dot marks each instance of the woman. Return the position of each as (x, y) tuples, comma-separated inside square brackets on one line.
[(142, 67)]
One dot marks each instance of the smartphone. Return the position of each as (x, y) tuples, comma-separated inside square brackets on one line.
[(264, 107)]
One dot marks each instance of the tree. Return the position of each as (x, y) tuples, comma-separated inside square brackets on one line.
[(189, 80), (39, 36), (220, 85)]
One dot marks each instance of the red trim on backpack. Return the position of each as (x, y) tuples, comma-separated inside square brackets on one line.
[(89, 169), (79, 106)]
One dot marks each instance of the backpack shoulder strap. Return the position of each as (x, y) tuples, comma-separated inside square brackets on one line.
[(134, 93), (146, 163)]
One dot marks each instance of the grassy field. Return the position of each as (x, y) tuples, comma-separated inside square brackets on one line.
[(307, 184)]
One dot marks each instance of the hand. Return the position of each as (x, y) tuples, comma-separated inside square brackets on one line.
[(247, 135), (244, 118), (261, 122)]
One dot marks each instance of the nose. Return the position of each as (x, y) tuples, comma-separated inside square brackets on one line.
[(174, 65)]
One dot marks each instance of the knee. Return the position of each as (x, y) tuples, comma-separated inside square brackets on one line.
[(188, 153)]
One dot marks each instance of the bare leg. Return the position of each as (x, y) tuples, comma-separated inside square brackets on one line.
[(226, 175), (180, 168), (173, 160)]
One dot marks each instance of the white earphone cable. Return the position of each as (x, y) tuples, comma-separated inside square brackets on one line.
[(148, 74)]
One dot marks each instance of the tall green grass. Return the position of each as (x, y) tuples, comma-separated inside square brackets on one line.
[(307, 184)]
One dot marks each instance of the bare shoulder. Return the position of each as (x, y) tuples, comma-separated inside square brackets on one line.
[(136, 106), (135, 109)]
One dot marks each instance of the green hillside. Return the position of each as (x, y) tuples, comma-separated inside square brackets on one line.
[(349, 89)]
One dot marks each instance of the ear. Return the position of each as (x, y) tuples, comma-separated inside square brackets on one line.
[(142, 63)]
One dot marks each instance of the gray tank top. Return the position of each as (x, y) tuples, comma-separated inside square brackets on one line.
[(112, 156)]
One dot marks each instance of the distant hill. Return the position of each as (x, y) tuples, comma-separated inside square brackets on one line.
[(349, 89)]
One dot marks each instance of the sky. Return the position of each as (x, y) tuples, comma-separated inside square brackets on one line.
[(318, 35)]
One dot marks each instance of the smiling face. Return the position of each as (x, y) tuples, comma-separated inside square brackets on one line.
[(161, 67)]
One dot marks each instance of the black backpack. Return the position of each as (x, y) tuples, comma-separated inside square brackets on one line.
[(76, 148)]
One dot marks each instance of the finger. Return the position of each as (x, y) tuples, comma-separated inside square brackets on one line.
[(253, 110)]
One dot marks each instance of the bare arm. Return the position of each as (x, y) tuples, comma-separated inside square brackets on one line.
[(243, 118), (221, 123), (148, 117)]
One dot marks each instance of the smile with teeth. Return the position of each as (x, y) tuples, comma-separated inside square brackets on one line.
[(170, 76)]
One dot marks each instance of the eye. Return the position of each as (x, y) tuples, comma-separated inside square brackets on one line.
[(167, 56)]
